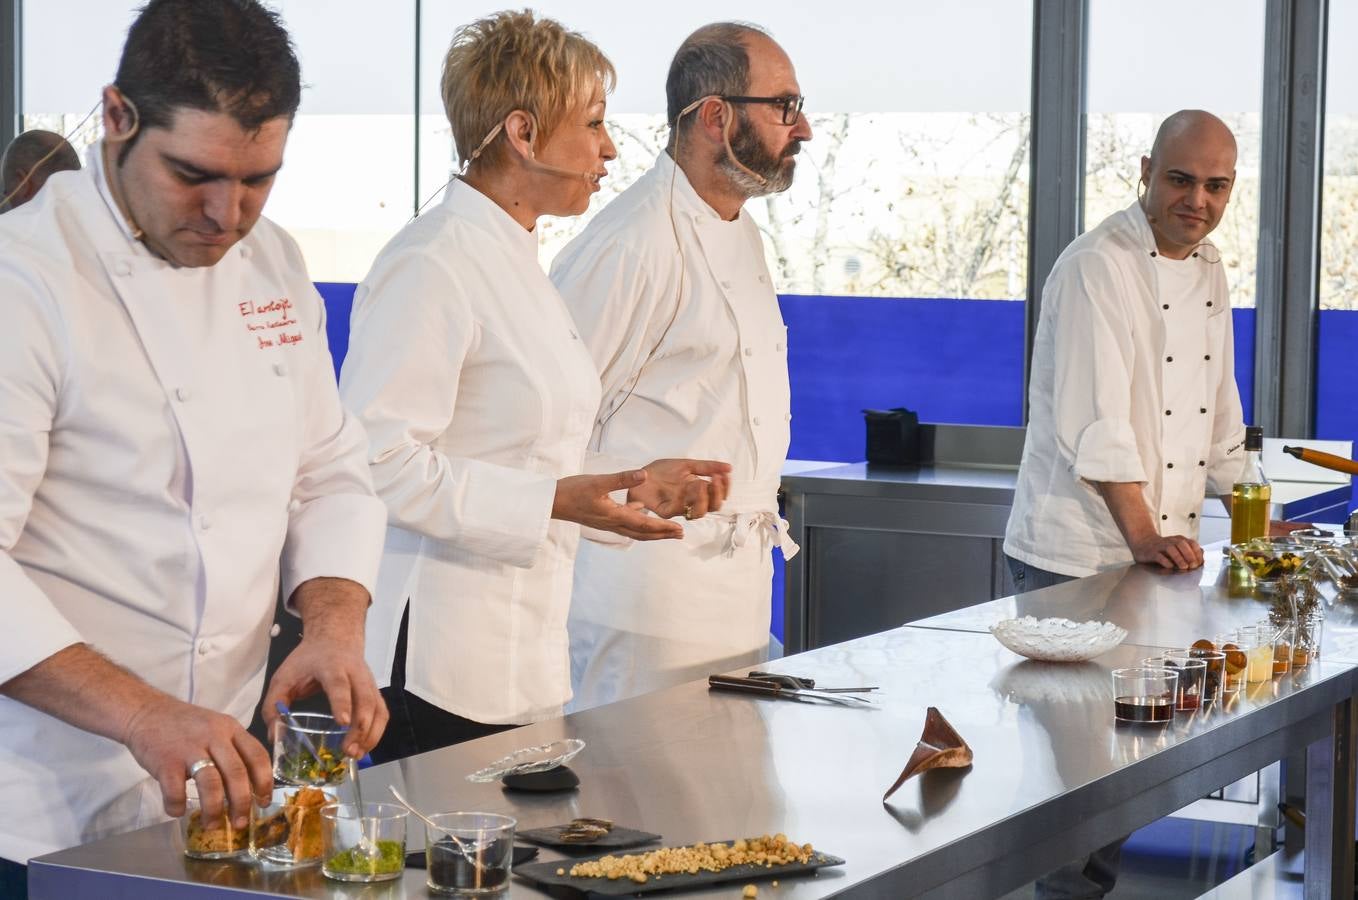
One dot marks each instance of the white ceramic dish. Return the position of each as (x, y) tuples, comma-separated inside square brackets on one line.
[(1058, 640)]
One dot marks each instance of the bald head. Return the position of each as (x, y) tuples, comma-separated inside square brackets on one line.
[(1188, 180), (29, 160), (1194, 126)]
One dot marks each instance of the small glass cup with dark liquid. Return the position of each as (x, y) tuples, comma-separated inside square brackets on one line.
[(469, 853), (1191, 692), (1144, 695)]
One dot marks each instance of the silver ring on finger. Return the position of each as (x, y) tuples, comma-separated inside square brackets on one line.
[(199, 766)]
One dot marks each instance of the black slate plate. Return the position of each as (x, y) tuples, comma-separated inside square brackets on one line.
[(616, 838), (544, 873)]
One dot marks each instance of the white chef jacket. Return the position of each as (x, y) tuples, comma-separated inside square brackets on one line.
[(169, 438), (478, 395), (692, 352), (1130, 383)]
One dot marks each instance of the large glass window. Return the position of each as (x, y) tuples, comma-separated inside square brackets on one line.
[(1150, 59), (348, 179), (1336, 408), (911, 198)]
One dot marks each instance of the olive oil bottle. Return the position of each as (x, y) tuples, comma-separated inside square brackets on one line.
[(1251, 496)]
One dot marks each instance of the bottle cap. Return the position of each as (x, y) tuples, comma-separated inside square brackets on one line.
[(1254, 437)]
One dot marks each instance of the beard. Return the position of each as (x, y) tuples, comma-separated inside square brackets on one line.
[(776, 170)]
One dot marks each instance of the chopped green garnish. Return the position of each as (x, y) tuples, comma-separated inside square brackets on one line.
[(389, 859)]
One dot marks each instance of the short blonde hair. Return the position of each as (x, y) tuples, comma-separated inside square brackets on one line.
[(514, 60)]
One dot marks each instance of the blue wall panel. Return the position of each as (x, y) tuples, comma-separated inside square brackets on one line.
[(949, 360), (957, 361), (339, 300)]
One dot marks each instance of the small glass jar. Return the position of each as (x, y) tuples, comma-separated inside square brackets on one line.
[(287, 832), (365, 847), (469, 854), (309, 750), (209, 840), (1309, 630)]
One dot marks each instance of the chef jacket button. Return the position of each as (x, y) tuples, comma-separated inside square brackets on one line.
[(123, 268), (1169, 465), (1202, 462), (1164, 518), (1209, 302), (1192, 515), (1165, 306), (1207, 356), (1202, 409), (1169, 359), (204, 648), (204, 523), (276, 630), (294, 505), (181, 394), (1169, 412), (280, 368), (749, 351)]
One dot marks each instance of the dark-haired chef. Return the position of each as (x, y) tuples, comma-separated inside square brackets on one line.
[(1134, 412), (172, 454)]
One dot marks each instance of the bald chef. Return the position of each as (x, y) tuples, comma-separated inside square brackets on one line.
[(172, 453), (1134, 411)]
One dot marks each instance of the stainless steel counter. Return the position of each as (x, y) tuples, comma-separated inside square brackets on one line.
[(884, 546), (1053, 776)]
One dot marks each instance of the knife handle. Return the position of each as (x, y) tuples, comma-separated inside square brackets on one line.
[(747, 685)]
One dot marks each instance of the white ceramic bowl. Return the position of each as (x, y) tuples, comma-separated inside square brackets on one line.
[(1058, 640)]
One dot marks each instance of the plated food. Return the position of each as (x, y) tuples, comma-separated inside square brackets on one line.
[(300, 766), (743, 860), (288, 831), (213, 840)]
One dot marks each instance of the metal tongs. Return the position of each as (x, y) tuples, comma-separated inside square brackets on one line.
[(767, 688)]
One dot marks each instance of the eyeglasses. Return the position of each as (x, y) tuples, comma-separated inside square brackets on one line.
[(791, 105)]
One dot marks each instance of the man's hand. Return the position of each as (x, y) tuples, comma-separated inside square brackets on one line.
[(1279, 529), (688, 487), (167, 736), (1128, 507), (585, 499), (1172, 552), (330, 659)]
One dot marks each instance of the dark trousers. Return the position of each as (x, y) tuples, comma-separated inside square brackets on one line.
[(13, 880), (417, 726)]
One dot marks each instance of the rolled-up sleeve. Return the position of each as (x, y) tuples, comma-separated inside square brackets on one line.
[(31, 366), (411, 334), (1093, 363), (336, 523)]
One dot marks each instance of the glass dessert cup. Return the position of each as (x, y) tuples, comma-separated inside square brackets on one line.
[(363, 847)]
